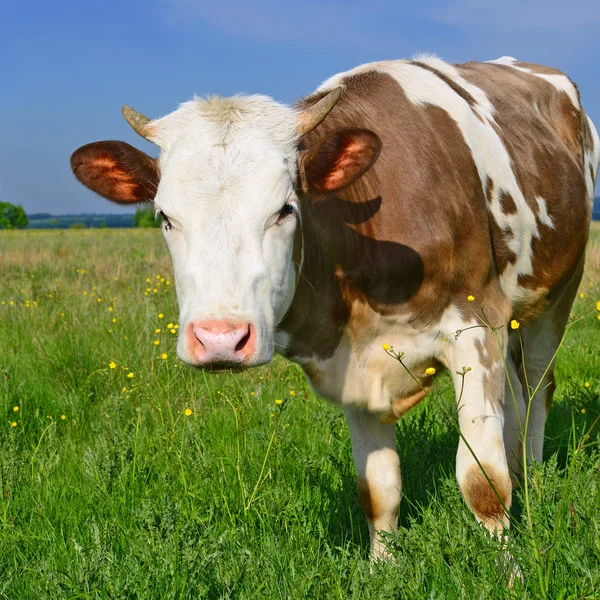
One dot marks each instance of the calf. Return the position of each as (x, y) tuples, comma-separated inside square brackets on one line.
[(388, 207)]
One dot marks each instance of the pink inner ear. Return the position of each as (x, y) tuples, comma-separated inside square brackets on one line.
[(122, 184), (346, 165)]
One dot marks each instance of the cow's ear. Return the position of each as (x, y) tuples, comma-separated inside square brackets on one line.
[(116, 171), (339, 159)]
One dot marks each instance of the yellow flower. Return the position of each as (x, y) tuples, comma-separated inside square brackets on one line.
[(598, 305), (63, 417), (13, 424), (99, 299), (587, 384), (430, 371), (124, 390), (164, 355), (582, 295), (130, 375), (514, 324), (147, 279), (583, 411), (155, 291), (470, 298), (278, 401), (170, 326), (160, 315), (173, 330), (187, 412), (112, 364), (114, 320), (157, 331), (176, 327), (386, 347), (156, 342), (16, 408), (110, 309), (292, 393)]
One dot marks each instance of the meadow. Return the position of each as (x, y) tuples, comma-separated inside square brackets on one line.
[(126, 474)]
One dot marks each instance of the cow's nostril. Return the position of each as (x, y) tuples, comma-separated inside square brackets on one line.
[(199, 338), (242, 343)]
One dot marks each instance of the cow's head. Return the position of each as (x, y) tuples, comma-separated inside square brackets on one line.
[(225, 185)]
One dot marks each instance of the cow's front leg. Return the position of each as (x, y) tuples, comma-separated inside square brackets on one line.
[(378, 473), (480, 396)]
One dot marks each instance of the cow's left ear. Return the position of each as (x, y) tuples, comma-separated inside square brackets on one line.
[(116, 171), (339, 159)]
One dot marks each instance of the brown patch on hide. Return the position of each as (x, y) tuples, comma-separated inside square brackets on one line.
[(507, 204), (480, 496), (371, 501)]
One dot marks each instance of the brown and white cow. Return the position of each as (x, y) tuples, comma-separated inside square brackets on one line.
[(367, 215)]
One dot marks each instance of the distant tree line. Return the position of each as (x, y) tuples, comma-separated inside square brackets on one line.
[(12, 216), (48, 221)]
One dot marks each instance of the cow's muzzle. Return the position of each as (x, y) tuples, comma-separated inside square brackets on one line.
[(221, 344)]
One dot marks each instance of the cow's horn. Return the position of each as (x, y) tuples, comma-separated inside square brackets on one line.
[(311, 117), (138, 121)]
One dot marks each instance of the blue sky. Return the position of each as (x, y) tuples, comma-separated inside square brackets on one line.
[(66, 67)]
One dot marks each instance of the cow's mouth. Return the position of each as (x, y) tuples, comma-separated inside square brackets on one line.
[(224, 367)]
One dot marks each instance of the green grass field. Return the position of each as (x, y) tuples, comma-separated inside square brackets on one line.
[(126, 474)]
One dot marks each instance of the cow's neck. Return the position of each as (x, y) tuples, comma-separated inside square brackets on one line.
[(342, 261), (318, 313)]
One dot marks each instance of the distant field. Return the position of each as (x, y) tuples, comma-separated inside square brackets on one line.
[(152, 480)]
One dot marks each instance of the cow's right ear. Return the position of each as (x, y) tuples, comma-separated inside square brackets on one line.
[(116, 171), (339, 159)]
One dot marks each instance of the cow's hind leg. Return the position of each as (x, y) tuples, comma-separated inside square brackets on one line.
[(378, 473), (541, 340)]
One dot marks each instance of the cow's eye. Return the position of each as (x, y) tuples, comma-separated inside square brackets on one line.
[(165, 220), (286, 211)]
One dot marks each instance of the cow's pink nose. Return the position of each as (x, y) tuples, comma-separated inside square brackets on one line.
[(222, 341)]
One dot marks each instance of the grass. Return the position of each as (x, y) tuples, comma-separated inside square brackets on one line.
[(110, 490)]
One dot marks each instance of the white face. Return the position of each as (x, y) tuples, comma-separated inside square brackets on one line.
[(227, 195)]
